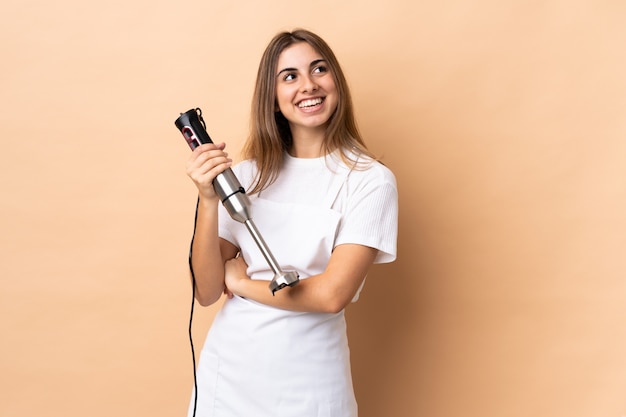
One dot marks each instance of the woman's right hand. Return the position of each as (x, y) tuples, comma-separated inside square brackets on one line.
[(205, 163)]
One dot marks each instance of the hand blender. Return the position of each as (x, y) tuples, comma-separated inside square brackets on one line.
[(233, 196)]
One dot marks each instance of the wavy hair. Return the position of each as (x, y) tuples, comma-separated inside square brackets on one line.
[(270, 135)]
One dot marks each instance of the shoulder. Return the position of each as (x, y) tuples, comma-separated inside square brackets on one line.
[(377, 170), (370, 171)]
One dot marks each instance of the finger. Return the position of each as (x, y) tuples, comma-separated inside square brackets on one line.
[(209, 147), (241, 261), (207, 161), (204, 151), (201, 156), (213, 165)]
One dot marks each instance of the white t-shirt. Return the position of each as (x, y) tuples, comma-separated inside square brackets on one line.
[(367, 199)]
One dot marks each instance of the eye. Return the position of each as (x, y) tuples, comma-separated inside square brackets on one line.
[(320, 69), (290, 76)]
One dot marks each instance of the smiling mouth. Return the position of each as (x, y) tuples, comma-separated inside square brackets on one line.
[(309, 103)]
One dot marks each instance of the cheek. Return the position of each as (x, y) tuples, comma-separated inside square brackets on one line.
[(331, 86), (282, 98), (332, 90)]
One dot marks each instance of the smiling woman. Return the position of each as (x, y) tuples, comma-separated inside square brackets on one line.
[(327, 208)]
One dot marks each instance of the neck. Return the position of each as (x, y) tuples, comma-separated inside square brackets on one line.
[(306, 151), (307, 144)]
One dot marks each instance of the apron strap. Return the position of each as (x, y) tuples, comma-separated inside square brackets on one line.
[(342, 172)]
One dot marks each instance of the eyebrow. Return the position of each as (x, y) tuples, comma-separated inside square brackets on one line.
[(312, 64)]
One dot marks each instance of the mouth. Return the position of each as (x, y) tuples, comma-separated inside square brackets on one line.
[(310, 103)]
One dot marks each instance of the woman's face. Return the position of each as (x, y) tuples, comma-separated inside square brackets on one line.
[(305, 89)]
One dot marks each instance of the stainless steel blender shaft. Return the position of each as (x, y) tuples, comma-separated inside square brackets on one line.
[(281, 278), (237, 204)]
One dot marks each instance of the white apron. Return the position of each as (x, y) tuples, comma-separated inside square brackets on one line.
[(259, 361)]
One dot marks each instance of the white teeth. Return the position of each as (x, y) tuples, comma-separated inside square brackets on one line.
[(309, 103)]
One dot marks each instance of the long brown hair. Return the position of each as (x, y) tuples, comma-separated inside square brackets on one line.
[(270, 135)]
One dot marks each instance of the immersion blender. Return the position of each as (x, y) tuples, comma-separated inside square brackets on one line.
[(233, 196)]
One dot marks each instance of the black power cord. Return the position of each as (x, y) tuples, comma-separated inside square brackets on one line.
[(193, 301)]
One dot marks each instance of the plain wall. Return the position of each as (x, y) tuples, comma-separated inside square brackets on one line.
[(504, 122)]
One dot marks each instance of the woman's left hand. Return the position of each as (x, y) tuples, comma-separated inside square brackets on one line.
[(235, 270)]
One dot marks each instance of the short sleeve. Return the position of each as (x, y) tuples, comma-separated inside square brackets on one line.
[(370, 212)]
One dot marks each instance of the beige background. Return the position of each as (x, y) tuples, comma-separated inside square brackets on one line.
[(504, 122)]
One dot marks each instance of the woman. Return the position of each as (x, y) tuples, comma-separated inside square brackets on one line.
[(325, 207)]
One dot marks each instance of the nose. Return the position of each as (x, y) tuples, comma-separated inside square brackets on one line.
[(308, 84)]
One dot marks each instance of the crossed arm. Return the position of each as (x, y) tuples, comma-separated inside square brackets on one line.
[(218, 269), (329, 292)]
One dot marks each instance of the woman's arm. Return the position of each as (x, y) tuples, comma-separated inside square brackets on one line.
[(328, 292), (208, 255), (208, 252)]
